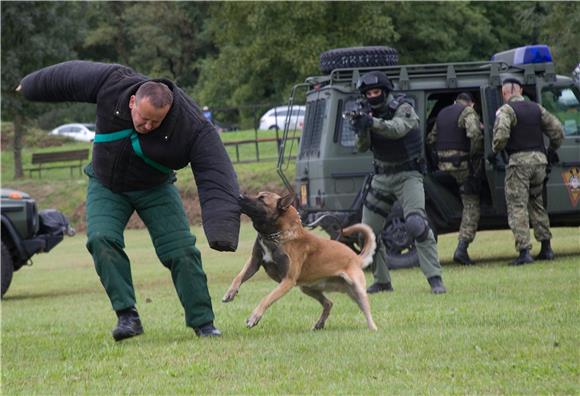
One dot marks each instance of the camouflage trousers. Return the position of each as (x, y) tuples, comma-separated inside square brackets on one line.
[(407, 188), (471, 213), (523, 193)]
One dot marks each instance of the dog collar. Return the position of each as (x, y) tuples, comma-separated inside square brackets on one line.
[(274, 237)]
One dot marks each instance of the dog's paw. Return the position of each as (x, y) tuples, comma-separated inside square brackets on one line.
[(253, 320), (229, 296)]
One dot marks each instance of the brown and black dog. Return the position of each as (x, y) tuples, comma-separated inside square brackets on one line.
[(293, 256)]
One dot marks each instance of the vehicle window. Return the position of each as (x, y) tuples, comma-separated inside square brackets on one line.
[(347, 137), (312, 133), (564, 103)]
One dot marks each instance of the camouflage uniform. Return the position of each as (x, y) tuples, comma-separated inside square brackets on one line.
[(405, 186), (525, 175), (468, 120)]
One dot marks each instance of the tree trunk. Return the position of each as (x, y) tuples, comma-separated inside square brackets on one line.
[(18, 134)]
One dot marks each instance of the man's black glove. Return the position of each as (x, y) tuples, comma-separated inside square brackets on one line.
[(492, 158), (223, 246), (362, 122), (553, 157)]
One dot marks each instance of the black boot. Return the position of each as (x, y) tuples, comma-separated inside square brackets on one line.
[(460, 256), (128, 324), (546, 253), (207, 330), (378, 287), (523, 258), (437, 285)]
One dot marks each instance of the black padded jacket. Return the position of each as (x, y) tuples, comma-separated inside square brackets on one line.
[(184, 138)]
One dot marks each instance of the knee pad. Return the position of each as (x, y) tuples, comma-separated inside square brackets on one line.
[(417, 226)]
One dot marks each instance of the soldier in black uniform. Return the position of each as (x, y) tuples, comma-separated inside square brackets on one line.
[(519, 129), (391, 131), (458, 141)]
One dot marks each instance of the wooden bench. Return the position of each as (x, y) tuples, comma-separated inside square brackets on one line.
[(58, 160)]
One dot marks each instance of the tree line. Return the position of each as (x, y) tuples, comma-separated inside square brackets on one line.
[(231, 54)]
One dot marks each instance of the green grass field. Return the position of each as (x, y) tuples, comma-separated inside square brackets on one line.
[(500, 329)]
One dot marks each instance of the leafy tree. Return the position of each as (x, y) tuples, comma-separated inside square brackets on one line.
[(560, 31), (265, 48), (131, 33), (34, 35)]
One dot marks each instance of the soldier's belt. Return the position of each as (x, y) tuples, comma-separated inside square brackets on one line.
[(454, 158), (402, 167)]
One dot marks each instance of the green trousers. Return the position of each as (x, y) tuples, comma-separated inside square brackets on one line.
[(406, 187), (161, 209)]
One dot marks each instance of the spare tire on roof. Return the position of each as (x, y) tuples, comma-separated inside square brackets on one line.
[(358, 57)]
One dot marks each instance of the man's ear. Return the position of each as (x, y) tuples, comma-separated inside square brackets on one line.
[(285, 202)]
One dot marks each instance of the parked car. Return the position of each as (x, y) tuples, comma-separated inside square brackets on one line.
[(80, 132), (277, 116), (27, 231)]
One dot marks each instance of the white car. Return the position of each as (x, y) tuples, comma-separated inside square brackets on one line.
[(81, 132), (276, 117)]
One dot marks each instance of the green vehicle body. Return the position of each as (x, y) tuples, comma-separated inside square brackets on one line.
[(26, 231), (330, 174)]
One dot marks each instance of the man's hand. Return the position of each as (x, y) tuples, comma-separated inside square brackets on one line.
[(362, 122), (492, 158)]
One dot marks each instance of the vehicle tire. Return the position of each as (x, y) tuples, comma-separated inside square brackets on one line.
[(400, 246), (7, 268), (358, 57)]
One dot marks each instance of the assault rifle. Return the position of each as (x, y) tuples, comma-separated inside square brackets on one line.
[(362, 107)]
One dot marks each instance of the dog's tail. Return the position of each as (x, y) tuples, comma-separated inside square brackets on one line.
[(368, 250)]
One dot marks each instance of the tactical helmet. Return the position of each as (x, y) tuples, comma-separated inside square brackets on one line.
[(374, 79)]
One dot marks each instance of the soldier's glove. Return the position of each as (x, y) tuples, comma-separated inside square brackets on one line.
[(223, 246), (362, 122), (553, 157), (492, 158)]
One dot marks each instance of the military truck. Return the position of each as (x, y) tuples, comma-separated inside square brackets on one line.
[(27, 231), (331, 176)]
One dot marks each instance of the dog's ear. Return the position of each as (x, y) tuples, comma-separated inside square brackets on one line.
[(285, 202)]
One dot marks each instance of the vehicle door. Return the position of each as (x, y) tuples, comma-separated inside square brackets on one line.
[(494, 165), (563, 187)]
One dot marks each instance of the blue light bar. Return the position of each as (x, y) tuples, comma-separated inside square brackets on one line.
[(539, 53)]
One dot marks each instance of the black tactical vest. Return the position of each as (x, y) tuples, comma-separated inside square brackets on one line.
[(396, 150), (449, 135), (527, 134)]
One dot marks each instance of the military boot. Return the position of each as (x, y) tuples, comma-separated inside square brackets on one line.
[(436, 284), (523, 258), (460, 256), (378, 287), (128, 324), (546, 253)]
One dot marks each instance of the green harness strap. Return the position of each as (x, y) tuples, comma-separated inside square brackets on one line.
[(110, 137)]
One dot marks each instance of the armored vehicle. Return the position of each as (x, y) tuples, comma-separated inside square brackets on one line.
[(26, 231), (330, 178)]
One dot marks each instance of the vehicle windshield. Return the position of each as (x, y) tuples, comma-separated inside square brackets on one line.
[(564, 103)]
